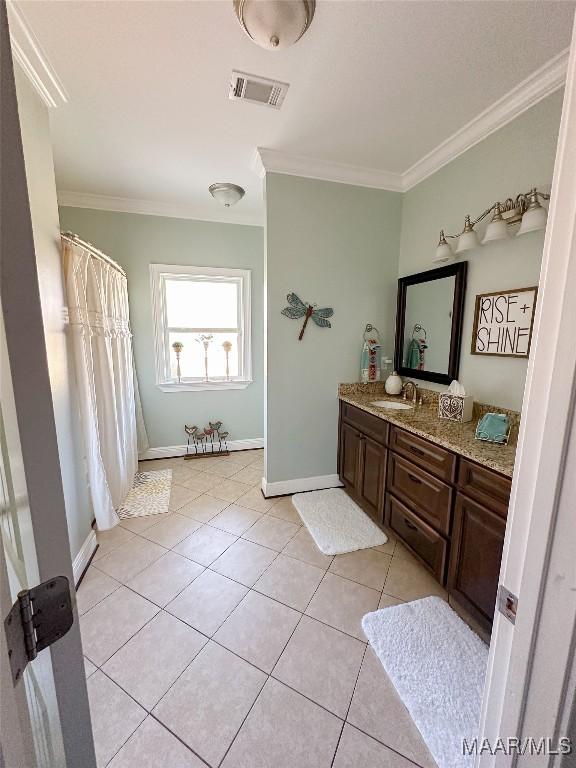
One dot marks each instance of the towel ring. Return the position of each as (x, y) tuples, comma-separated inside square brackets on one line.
[(417, 329)]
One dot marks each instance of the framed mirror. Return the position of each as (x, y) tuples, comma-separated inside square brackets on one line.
[(429, 323)]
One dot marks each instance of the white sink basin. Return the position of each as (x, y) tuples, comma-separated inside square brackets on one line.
[(391, 405)]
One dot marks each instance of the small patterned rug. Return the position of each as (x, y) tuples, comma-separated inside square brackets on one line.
[(150, 494)]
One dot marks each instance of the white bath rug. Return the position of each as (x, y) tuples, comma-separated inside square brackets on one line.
[(438, 665), (150, 494), (336, 523)]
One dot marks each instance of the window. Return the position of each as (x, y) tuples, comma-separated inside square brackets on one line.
[(202, 327)]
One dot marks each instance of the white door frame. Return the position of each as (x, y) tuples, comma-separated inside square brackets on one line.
[(20, 298), (527, 692)]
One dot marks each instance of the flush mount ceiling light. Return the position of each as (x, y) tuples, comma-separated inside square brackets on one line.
[(525, 209), (227, 194), (275, 24)]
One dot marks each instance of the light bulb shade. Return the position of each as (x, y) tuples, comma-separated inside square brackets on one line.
[(467, 241), (443, 253), (443, 250), (226, 194), (275, 24), (533, 219), (496, 230)]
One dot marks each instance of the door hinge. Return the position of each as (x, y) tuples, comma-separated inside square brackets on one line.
[(38, 618), (507, 603)]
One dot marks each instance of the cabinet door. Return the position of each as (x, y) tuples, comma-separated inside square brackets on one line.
[(477, 541), (349, 456), (371, 479)]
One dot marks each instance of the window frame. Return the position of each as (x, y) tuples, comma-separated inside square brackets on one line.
[(159, 274)]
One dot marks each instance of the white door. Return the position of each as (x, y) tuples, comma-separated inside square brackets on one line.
[(530, 680), (44, 716)]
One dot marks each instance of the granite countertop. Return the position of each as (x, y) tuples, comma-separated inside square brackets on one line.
[(423, 421)]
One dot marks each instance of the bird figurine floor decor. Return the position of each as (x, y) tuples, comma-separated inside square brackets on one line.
[(209, 441)]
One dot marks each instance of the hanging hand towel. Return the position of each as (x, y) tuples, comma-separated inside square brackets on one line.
[(413, 355)]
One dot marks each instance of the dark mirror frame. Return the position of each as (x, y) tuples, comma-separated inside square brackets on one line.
[(452, 270)]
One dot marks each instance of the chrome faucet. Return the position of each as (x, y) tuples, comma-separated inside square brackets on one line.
[(414, 390)]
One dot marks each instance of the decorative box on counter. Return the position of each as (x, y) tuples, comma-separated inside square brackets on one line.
[(455, 404)]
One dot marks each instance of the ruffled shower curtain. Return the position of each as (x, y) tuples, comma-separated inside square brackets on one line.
[(97, 294)]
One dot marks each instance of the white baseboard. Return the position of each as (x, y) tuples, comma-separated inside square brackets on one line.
[(83, 557), (168, 451), (300, 485)]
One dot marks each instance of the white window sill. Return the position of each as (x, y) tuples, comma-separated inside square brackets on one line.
[(196, 386)]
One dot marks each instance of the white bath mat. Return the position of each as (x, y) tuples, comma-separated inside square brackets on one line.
[(150, 494), (336, 523), (437, 665)]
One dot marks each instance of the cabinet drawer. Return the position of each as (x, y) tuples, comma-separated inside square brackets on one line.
[(431, 457), (485, 486), (419, 537), (428, 496), (366, 423)]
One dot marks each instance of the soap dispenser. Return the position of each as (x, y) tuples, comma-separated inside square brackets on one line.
[(393, 384)]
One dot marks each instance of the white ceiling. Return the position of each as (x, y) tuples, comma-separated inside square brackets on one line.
[(373, 84)]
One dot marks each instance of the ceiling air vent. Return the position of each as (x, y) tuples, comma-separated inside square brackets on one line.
[(258, 90)]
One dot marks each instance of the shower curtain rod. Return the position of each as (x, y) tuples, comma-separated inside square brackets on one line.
[(71, 237)]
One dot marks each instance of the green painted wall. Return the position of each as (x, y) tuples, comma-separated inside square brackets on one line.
[(512, 160), (341, 246), (135, 241), (335, 245)]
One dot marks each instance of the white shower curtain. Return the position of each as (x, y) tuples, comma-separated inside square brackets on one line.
[(97, 295)]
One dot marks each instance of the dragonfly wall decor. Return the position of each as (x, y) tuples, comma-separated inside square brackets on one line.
[(299, 309)]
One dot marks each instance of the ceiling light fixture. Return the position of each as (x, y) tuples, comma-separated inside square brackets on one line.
[(227, 194), (524, 208), (275, 24)]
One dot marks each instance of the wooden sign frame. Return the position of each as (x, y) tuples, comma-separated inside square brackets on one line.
[(477, 310)]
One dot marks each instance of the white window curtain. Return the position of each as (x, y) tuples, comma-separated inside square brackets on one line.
[(97, 294)]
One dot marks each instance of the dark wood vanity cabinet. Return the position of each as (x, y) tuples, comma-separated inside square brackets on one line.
[(477, 541), (362, 459), (449, 511)]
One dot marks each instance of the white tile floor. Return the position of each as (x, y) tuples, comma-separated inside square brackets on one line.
[(221, 635)]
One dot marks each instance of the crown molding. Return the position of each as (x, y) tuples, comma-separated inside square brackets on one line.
[(28, 53), (534, 88), (541, 83), (274, 161), (150, 208)]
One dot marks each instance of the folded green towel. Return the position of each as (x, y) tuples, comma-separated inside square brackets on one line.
[(493, 427), (413, 354)]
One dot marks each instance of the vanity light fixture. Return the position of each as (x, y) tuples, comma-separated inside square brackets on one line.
[(497, 229), (226, 193), (534, 217), (443, 250), (468, 239), (275, 24), (525, 209)]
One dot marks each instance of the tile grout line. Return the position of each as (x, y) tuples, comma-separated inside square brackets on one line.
[(268, 674), (148, 712), (252, 588), (153, 716), (349, 705)]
